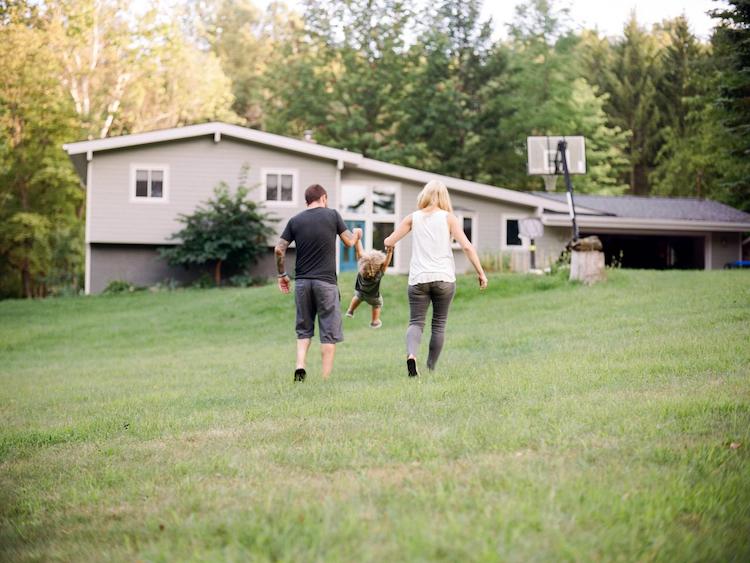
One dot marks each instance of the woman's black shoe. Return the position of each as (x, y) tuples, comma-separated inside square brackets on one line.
[(411, 366), (299, 374)]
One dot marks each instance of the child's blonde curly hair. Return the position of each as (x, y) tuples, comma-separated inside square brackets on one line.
[(370, 263)]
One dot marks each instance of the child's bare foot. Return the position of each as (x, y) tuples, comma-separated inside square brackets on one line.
[(350, 313), (376, 324)]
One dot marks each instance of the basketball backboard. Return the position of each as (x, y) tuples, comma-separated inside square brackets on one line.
[(543, 159)]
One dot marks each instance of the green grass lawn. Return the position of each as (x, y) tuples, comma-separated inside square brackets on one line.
[(563, 423)]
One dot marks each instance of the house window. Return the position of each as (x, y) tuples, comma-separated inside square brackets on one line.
[(149, 182), (354, 199), (512, 237), (372, 207), (468, 224), (280, 186), (383, 201), (379, 233)]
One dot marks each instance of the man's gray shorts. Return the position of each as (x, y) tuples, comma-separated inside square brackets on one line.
[(376, 302), (315, 297)]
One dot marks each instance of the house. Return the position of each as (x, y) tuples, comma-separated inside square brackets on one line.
[(137, 186)]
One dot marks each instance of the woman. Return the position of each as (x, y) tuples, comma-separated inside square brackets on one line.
[(432, 272)]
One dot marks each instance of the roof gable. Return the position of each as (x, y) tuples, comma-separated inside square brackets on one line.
[(217, 130)]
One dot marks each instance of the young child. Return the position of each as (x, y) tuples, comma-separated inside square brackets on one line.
[(372, 267)]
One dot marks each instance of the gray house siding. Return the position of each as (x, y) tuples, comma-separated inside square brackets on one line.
[(551, 245), (196, 166), (723, 248), (141, 265)]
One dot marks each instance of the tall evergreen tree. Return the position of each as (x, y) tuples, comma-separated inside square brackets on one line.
[(731, 42), (679, 81), (633, 100), (684, 163)]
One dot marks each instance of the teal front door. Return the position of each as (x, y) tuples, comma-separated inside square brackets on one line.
[(348, 261)]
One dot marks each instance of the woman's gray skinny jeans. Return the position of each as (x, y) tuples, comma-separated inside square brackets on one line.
[(440, 294)]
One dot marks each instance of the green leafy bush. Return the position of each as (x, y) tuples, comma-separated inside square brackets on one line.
[(120, 286), (228, 229)]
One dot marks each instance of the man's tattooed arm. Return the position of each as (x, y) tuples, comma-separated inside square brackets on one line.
[(280, 252)]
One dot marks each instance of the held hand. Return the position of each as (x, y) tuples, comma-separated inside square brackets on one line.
[(482, 281), (357, 233), (284, 284)]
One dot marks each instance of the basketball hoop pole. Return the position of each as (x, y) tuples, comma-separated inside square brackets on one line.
[(561, 148)]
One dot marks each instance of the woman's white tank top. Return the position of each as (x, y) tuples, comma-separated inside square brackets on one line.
[(431, 253)]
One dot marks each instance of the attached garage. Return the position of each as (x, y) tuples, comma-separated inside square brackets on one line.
[(654, 252), (659, 233)]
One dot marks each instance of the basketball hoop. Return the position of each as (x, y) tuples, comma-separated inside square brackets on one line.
[(549, 156), (550, 182)]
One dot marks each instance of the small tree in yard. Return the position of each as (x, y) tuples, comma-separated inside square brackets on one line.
[(227, 230)]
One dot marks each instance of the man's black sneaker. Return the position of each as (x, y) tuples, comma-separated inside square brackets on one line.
[(299, 374), (411, 366)]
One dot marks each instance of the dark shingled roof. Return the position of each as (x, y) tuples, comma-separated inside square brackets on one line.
[(643, 207)]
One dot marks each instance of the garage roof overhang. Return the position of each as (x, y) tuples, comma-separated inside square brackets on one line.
[(630, 224)]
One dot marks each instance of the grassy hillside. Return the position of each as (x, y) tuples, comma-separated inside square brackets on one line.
[(563, 423)]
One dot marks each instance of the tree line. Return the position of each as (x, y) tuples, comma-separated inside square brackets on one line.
[(663, 112)]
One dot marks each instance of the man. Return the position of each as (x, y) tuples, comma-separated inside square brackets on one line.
[(316, 291)]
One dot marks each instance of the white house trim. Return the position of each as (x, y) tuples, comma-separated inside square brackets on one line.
[(150, 166), (87, 230), (589, 222), (504, 217), (212, 129), (337, 193), (293, 172), (462, 214)]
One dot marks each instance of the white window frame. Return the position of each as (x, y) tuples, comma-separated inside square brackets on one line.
[(504, 232), (474, 216), (293, 172), (370, 217), (150, 166)]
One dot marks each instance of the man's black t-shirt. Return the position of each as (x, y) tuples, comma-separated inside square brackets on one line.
[(315, 231)]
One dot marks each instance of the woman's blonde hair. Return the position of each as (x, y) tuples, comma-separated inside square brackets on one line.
[(435, 193), (370, 263)]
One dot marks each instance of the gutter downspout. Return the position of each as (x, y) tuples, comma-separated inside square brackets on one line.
[(337, 192), (87, 228)]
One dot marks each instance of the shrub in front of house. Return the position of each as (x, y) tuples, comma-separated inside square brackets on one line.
[(227, 230)]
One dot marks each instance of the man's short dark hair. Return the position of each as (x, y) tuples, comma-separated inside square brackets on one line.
[(314, 193)]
